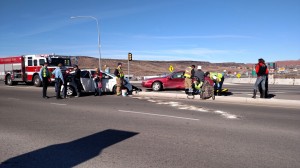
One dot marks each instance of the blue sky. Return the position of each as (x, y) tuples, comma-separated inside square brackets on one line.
[(199, 30)]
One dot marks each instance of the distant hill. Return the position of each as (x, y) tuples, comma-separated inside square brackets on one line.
[(142, 68), (288, 63)]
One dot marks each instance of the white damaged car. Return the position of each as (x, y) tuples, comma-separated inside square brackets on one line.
[(109, 83)]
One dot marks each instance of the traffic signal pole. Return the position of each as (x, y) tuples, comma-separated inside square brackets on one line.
[(128, 71), (129, 59)]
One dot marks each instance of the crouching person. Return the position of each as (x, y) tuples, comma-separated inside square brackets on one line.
[(197, 86)]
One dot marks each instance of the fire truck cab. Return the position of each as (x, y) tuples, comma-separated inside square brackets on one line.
[(26, 68)]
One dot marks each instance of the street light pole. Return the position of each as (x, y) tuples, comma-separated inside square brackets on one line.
[(99, 45)]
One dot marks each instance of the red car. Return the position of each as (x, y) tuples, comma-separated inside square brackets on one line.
[(174, 80)]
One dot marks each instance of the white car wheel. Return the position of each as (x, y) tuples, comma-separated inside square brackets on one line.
[(156, 86)]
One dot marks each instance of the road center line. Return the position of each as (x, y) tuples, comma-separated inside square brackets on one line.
[(58, 104), (135, 112)]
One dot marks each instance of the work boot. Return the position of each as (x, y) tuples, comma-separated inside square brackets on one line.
[(219, 92), (254, 94), (187, 91)]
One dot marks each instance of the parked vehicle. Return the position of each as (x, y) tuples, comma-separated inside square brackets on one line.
[(25, 68), (109, 83), (174, 80)]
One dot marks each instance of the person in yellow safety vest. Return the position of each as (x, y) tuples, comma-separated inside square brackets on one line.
[(45, 77), (189, 75), (120, 78), (217, 78), (197, 86)]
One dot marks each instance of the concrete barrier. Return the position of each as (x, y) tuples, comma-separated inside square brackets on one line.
[(252, 80), (228, 80), (297, 82), (272, 81), (284, 81), (241, 80)]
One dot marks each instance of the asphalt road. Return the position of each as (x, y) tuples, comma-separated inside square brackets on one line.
[(141, 132)]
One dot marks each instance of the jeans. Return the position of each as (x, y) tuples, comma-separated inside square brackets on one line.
[(260, 80), (97, 89), (58, 83)]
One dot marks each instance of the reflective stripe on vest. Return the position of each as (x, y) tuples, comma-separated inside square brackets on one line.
[(121, 74), (188, 72), (45, 72), (198, 86)]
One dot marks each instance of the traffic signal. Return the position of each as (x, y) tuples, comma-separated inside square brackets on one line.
[(129, 57)]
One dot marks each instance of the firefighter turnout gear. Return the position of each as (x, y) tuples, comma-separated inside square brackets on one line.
[(189, 74), (120, 78)]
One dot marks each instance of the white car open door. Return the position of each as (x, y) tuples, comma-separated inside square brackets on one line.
[(87, 81)]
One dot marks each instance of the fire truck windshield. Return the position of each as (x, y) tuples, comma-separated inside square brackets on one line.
[(56, 61)]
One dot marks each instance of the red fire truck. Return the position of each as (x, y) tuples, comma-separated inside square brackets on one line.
[(26, 68)]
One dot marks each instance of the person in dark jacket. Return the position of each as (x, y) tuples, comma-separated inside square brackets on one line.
[(199, 74), (262, 72), (77, 80)]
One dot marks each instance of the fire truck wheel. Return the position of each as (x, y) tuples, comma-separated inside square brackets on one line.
[(9, 81), (37, 81)]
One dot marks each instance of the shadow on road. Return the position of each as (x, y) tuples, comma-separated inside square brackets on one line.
[(71, 153)]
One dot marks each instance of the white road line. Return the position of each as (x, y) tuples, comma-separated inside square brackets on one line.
[(58, 104), (226, 115), (160, 115)]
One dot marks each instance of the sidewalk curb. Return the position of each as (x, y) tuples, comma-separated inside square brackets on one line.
[(257, 101)]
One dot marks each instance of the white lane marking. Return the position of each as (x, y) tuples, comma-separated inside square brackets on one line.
[(193, 108), (226, 115), (58, 104), (160, 115)]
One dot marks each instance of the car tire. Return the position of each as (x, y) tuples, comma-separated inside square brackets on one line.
[(70, 91), (37, 81), (157, 86)]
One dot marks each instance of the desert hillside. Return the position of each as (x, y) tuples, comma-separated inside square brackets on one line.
[(143, 68)]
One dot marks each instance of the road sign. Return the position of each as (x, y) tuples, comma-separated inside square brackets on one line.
[(238, 75), (171, 68)]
